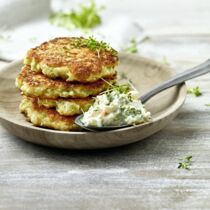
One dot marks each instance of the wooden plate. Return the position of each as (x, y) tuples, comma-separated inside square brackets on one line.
[(143, 72)]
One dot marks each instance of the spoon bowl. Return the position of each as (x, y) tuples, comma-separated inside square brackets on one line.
[(79, 122)]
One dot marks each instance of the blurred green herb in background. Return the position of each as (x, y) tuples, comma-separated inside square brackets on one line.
[(195, 91), (132, 47), (185, 163), (165, 61), (123, 75), (33, 39), (87, 17), (4, 37)]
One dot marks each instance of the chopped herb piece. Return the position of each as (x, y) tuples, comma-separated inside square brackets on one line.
[(165, 60), (195, 91), (132, 48), (186, 163), (207, 104), (123, 75), (94, 45), (87, 17)]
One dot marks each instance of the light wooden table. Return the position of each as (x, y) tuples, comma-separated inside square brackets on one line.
[(143, 175)]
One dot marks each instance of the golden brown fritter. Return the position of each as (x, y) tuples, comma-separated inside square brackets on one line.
[(66, 107), (38, 85), (49, 118), (73, 59)]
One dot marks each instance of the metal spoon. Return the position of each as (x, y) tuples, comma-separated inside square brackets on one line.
[(178, 79)]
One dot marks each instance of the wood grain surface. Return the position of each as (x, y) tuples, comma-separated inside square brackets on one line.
[(143, 175)]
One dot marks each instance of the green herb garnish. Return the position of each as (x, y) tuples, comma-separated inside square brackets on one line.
[(94, 45), (132, 111), (186, 163), (87, 17), (119, 89), (195, 91), (125, 88), (207, 104), (132, 48)]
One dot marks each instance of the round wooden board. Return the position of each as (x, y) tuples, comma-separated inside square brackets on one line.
[(144, 73)]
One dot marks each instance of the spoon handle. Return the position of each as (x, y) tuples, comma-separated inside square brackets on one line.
[(178, 79)]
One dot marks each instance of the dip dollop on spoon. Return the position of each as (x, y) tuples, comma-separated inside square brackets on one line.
[(118, 106)]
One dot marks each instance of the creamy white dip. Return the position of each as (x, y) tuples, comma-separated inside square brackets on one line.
[(118, 106)]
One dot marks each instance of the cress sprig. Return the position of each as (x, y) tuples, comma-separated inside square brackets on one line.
[(94, 45)]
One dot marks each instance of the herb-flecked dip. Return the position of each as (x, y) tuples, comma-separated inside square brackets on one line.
[(117, 106)]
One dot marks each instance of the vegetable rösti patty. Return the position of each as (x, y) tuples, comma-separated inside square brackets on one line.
[(38, 85), (43, 117), (73, 59)]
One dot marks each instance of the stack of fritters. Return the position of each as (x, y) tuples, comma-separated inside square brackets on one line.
[(60, 77)]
